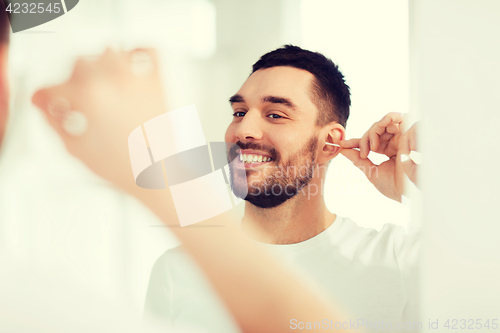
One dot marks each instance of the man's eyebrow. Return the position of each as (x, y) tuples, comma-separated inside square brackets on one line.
[(236, 99), (279, 100)]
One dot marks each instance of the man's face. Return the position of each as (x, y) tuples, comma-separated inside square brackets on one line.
[(274, 127)]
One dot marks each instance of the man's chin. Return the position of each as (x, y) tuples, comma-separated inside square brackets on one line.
[(265, 196), (266, 201)]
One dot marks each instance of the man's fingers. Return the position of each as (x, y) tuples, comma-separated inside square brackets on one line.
[(112, 62), (55, 105), (386, 137), (364, 164), (373, 138), (364, 146), (381, 131), (351, 143), (392, 117), (51, 107), (83, 69), (392, 128), (143, 62)]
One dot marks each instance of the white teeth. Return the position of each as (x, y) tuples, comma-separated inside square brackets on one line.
[(253, 158)]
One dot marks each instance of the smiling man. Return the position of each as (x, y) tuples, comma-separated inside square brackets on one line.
[(285, 116), (293, 103)]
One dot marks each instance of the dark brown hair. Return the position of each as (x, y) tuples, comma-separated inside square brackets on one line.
[(330, 93)]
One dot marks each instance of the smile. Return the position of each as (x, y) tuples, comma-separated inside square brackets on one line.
[(252, 158)]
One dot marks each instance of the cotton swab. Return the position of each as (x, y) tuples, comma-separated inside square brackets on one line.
[(414, 155), (336, 145)]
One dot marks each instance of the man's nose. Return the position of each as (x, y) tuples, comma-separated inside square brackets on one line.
[(250, 127)]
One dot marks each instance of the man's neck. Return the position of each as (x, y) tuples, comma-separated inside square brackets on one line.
[(298, 219)]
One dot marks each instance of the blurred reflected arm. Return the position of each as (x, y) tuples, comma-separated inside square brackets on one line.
[(261, 294)]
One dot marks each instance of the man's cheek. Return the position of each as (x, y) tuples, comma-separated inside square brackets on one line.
[(229, 135)]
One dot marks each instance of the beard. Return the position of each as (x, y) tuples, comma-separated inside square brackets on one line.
[(285, 180)]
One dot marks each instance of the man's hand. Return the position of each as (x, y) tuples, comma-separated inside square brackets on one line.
[(114, 94), (385, 137)]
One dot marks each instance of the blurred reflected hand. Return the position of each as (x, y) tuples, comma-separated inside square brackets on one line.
[(385, 137), (111, 96)]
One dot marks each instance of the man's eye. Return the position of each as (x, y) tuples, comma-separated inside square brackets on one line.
[(238, 114), (275, 116)]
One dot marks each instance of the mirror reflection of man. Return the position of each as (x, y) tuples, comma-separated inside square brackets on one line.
[(36, 297), (287, 114), (293, 104)]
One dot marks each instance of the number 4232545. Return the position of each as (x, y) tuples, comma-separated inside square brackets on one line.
[(33, 8), (470, 324)]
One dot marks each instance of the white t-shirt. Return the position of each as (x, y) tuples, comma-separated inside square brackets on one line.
[(369, 274)]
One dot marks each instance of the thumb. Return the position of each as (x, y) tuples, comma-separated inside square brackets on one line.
[(363, 164), (54, 106)]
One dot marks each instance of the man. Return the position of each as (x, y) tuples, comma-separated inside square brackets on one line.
[(258, 302), (290, 110)]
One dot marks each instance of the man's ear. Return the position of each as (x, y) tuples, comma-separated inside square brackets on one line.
[(332, 133)]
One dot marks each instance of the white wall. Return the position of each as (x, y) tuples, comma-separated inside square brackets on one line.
[(455, 84), (369, 41)]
